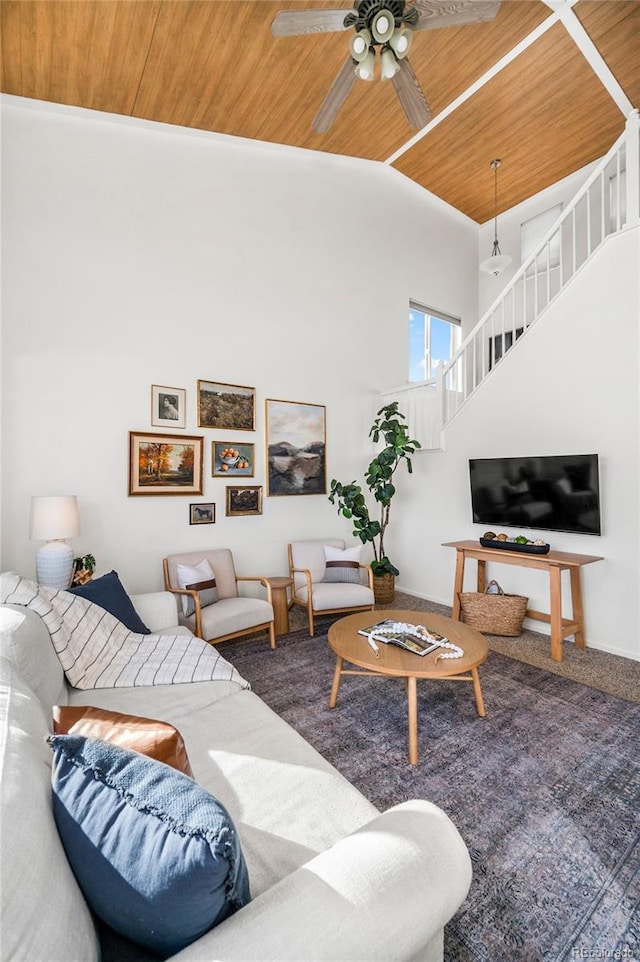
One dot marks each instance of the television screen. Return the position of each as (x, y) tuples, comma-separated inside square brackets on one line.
[(553, 493)]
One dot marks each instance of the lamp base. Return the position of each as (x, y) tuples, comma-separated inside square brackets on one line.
[(54, 564)]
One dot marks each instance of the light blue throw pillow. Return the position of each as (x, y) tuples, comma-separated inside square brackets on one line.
[(156, 856)]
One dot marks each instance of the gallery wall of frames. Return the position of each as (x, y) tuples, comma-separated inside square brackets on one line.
[(167, 462)]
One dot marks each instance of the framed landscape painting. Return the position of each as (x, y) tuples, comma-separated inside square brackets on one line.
[(232, 459), (165, 463), (168, 407), (229, 407), (296, 448), (244, 499)]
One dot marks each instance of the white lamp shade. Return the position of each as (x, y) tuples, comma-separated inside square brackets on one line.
[(383, 25), (400, 42), (388, 65), (54, 518), (365, 69), (495, 264), (360, 44)]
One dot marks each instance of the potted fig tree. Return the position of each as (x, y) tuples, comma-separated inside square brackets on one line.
[(390, 425)]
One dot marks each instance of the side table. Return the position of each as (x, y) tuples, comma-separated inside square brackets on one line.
[(555, 562), (280, 603)]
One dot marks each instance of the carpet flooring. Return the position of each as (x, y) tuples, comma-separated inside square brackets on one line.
[(545, 790)]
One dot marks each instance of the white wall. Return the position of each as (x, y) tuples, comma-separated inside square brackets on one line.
[(570, 385), (138, 254)]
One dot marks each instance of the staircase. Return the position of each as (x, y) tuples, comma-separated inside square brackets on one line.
[(609, 202)]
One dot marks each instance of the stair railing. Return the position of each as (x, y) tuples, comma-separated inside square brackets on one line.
[(608, 202)]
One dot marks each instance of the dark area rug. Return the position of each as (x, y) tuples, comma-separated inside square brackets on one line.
[(545, 790)]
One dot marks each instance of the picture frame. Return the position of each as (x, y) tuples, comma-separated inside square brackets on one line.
[(296, 447), (202, 513), (229, 407), (165, 463), (243, 499), (232, 459), (168, 407)]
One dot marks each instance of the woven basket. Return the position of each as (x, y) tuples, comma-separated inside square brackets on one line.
[(384, 588), (493, 613)]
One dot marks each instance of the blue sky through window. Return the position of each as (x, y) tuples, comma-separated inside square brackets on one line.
[(432, 340), (417, 323)]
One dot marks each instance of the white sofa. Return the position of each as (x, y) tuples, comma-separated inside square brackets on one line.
[(331, 877)]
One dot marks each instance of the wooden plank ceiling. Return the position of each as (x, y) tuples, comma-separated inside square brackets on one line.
[(214, 65)]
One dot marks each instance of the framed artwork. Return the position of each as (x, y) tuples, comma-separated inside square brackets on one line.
[(296, 448), (165, 463), (168, 407), (230, 407), (232, 459), (202, 514), (244, 499)]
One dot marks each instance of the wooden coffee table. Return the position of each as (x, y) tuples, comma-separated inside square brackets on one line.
[(392, 661)]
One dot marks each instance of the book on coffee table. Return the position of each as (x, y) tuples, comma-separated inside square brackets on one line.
[(415, 638)]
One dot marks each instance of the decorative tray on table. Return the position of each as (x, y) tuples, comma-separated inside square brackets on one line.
[(531, 547)]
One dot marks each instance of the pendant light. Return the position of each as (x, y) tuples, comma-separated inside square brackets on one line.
[(496, 263)]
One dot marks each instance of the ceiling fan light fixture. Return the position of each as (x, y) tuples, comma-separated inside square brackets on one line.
[(497, 261), (382, 25), (389, 66), (400, 42), (365, 68), (360, 44)]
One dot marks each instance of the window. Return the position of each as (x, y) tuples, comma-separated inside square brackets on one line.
[(434, 337)]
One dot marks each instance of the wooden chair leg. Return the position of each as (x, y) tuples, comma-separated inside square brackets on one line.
[(272, 634), (310, 613)]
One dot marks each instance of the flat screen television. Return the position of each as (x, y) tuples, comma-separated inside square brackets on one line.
[(553, 493)]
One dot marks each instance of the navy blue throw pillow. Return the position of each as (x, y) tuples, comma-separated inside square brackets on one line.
[(156, 856), (108, 592)]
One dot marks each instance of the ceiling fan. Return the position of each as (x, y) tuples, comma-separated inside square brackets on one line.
[(384, 26)]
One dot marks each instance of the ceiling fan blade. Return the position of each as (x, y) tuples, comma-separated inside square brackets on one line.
[(433, 14), (293, 23), (335, 98), (409, 93)]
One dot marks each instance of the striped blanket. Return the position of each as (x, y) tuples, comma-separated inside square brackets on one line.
[(98, 651)]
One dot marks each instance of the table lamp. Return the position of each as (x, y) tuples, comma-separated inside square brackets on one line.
[(52, 520)]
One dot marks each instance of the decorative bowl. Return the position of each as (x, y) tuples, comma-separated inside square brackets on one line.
[(514, 546)]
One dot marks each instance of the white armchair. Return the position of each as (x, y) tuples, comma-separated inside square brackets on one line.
[(210, 603), (312, 588)]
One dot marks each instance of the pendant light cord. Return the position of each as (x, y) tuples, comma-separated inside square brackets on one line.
[(496, 246)]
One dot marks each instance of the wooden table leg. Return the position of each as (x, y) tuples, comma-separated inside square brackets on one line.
[(482, 576), (576, 605), (412, 700), (477, 690), (333, 698), (457, 585), (555, 577)]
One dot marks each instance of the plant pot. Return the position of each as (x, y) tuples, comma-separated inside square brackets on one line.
[(384, 588)]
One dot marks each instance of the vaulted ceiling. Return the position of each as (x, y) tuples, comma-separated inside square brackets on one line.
[(545, 86)]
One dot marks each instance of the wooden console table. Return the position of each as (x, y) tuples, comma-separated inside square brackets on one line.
[(555, 562)]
